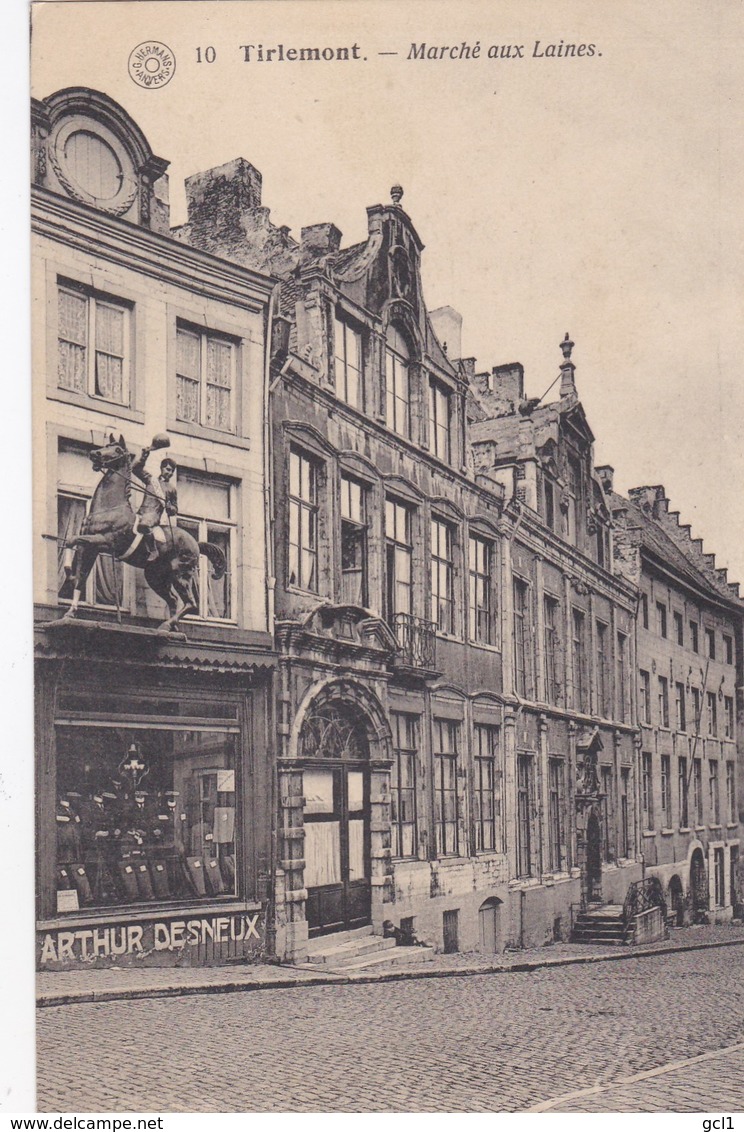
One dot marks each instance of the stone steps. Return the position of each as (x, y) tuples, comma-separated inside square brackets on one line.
[(600, 925), (334, 952), (394, 957)]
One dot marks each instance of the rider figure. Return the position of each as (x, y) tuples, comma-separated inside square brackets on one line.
[(159, 496)]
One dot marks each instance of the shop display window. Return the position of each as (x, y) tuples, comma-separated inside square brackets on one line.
[(144, 814)]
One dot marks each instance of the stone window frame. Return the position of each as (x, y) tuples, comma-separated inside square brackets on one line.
[(99, 284), (202, 320)]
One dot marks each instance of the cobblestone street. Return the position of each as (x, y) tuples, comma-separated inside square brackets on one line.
[(504, 1042)]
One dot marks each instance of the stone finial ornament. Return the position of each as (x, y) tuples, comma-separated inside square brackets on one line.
[(567, 346), (396, 194)]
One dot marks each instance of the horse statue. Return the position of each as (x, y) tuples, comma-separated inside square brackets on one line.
[(111, 527)]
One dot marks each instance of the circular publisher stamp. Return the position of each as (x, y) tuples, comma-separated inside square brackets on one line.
[(151, 64)]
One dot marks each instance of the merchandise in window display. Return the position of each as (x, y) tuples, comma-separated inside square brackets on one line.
[(130, 837)]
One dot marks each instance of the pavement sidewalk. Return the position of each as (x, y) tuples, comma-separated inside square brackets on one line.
[(62, 988)]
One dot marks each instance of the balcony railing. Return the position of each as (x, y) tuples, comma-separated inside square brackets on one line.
[(416, 639)]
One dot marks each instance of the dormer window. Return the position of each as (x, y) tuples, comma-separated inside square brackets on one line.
[(348, 363), (439, 420), (398, 383)]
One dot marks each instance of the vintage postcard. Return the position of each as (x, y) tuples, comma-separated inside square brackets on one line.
[(387, 532)]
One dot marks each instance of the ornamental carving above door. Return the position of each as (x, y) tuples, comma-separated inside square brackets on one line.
[(331, 733)]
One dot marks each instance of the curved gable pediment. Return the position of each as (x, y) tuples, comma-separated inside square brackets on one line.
[(309, 437)]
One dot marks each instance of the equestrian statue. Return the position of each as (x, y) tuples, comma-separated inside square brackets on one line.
[(168, 554)]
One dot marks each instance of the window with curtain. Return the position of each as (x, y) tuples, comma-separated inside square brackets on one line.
[(93, 347), (206, 509), (76, 483), (205, 378)]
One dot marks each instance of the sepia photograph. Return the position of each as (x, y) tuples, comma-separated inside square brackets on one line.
[(387, 512)]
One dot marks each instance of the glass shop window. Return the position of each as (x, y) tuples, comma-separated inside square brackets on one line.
[(144, 815)]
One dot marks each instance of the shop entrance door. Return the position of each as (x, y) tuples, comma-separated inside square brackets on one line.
[(337, 861)]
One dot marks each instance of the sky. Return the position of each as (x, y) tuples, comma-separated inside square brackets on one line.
[(598, 195)]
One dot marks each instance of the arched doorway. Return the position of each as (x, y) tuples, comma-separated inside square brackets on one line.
[(677, 900), (593, 859), (334, 747), (698, 885), (490, 926)]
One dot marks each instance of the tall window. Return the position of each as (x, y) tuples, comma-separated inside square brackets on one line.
[(524, 815), (731, 814), (348, 363), (93, 337), (710, 639), (710, 698), (661, 619), (728, 646), (77, 481), (398, 558), (622, 677), (398, 383), (697, 790), (205, 378), (353, 541), (552, 647), (480, 614), (556, 815), (522, 639), (403, 785), (663, 702), (581, 690), (603, 682), (549, 495), (696, 709), (644, 610), (647, 792), (714, 798), (573, 500), (440, 440), (728, 715), (486, 792), (303, 521), (683, 793), (446, 745), (694, 637), (645, 695), (442, 572), (625, 846), (666, 791), (206, 508), (608, 816), (679, 704), (679, 630)]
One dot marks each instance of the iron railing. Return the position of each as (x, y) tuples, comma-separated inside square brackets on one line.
[(643, 895), (416, 639)]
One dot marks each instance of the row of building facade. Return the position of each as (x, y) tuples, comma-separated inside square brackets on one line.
[(448, 679)]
